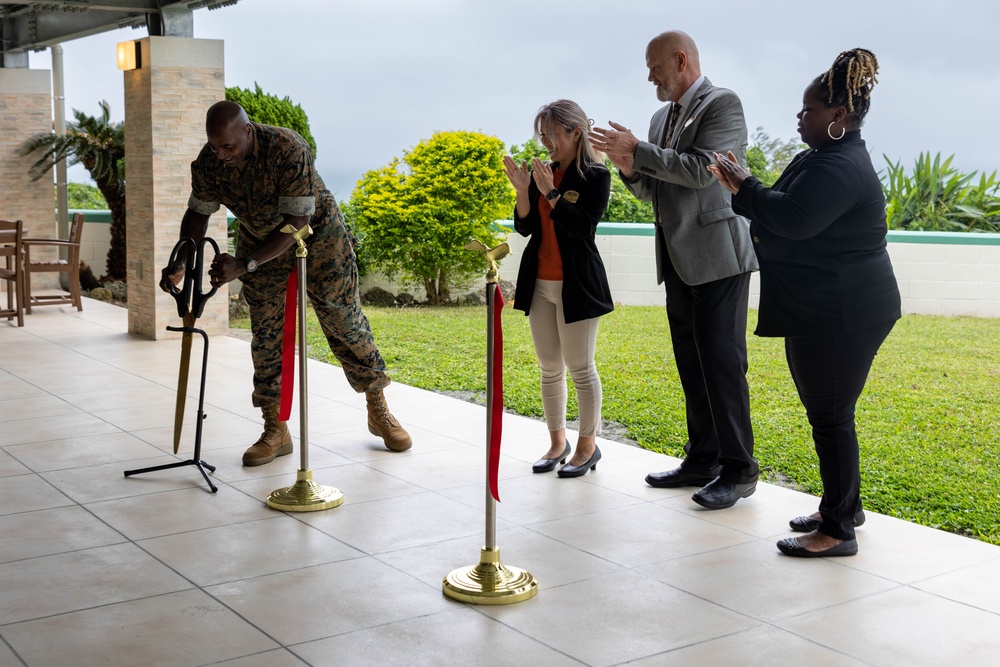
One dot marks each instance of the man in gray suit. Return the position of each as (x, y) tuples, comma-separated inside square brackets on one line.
[(704, 256)]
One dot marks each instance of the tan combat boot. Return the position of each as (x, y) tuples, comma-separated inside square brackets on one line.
[(384, 425), (274, 441)]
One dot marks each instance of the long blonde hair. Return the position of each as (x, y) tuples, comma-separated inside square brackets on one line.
[(570, 116)]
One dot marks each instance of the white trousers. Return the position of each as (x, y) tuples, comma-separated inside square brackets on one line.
[(560, 346)]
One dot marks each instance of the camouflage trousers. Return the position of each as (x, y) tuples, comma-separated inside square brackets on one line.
[(332, 286)]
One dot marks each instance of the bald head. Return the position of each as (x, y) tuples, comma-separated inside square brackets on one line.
[(230, 135), (674, 64), (671, 42), (222, 115)]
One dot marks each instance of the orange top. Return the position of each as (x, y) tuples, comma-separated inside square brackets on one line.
[(549, 259)]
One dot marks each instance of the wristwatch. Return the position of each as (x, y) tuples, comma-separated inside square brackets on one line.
[(553, 193), (251, 264)]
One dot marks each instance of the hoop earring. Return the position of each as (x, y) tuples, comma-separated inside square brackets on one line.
[(843, 131)]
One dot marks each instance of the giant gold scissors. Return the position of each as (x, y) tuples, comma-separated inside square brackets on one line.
[(190, 305)]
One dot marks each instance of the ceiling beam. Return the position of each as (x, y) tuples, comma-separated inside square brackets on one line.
[(31, 25)]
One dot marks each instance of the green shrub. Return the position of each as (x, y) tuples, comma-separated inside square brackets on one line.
[(415, 214), (85, 197), (938, 197)]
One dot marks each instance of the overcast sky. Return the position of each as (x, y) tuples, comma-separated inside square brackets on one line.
[(377, 76)]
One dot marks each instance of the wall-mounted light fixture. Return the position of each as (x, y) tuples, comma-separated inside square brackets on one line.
[(129, 55)]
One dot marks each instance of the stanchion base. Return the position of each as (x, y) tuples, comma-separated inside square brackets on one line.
[(305, 495), (489, 582)]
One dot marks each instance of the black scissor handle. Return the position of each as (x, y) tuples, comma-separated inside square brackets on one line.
[(199, 297), (184, 250)]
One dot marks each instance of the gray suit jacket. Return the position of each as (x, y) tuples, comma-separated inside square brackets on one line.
[(705, 239)]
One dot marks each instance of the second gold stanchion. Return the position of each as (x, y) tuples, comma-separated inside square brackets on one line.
[(489, 581)]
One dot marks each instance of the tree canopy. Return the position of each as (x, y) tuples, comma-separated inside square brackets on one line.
[(84, 196), (767, 157), (416, 213)]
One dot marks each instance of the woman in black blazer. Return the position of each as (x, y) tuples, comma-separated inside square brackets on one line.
[(826, 283), (561, 284)]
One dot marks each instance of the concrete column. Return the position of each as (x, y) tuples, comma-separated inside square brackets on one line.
[(165, 104), (25, 110)]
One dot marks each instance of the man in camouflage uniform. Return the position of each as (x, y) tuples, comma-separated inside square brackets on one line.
[(266, 177)]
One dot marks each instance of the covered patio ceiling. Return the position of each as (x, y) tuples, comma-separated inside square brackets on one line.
[(31, 25)]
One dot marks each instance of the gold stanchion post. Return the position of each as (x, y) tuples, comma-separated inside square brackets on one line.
[(305, 495), (490, 581)]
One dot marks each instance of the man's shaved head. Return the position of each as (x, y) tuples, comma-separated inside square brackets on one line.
[(673, 62), (223, 115), (230, 135), (672, 41)]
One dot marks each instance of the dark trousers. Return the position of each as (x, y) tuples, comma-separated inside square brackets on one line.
[(829, 372), (708, 325)]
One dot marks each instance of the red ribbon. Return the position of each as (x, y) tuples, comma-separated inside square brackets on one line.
[(288, 347), (496, 408)]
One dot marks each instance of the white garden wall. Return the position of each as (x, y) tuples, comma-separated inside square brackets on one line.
[(939, 273)]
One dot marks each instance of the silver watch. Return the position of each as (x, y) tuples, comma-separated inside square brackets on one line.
[(251, 264)]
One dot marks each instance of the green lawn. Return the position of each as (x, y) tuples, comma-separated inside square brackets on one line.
[(928, 420)]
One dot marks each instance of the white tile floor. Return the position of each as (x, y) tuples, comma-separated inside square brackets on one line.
[(99, 569)]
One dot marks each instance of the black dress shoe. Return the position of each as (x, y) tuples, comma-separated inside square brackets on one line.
[(807, 524), (791, 547), (581, 470), (678, 477), (548, 465), (720, 493)]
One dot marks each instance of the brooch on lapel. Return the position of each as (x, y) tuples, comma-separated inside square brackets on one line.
[(689, 121), (572, 196)]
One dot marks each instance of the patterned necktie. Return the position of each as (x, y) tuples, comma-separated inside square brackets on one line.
[(675, 112)]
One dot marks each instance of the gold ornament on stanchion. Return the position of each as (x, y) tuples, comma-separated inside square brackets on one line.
[(305, 495), (490, 581)]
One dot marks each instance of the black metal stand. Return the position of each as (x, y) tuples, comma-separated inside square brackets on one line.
[(196, 461)]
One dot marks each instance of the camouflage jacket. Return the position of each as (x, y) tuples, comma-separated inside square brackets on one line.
[(279, 179)]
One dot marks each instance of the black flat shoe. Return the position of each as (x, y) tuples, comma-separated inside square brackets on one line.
[(720, 493), (678, 477), (807, 524), (791, 547), (548, 465), (580, 471)]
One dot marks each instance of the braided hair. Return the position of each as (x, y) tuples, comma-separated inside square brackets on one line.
[(849, 82)]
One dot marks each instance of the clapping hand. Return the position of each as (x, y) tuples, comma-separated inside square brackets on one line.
[(542, 173), (518, 174), (728, 171), (618, 144)]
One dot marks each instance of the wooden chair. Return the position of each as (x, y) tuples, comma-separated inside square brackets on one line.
[(70, 265), (12, 269)]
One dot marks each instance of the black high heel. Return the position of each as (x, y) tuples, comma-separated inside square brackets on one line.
[(548, 465), (580, 471)]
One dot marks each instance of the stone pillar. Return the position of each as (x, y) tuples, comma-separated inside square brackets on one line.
[(165, 104), (25, 110)]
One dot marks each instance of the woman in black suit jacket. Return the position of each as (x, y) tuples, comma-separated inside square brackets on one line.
[(561, 284), (826, 283)]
